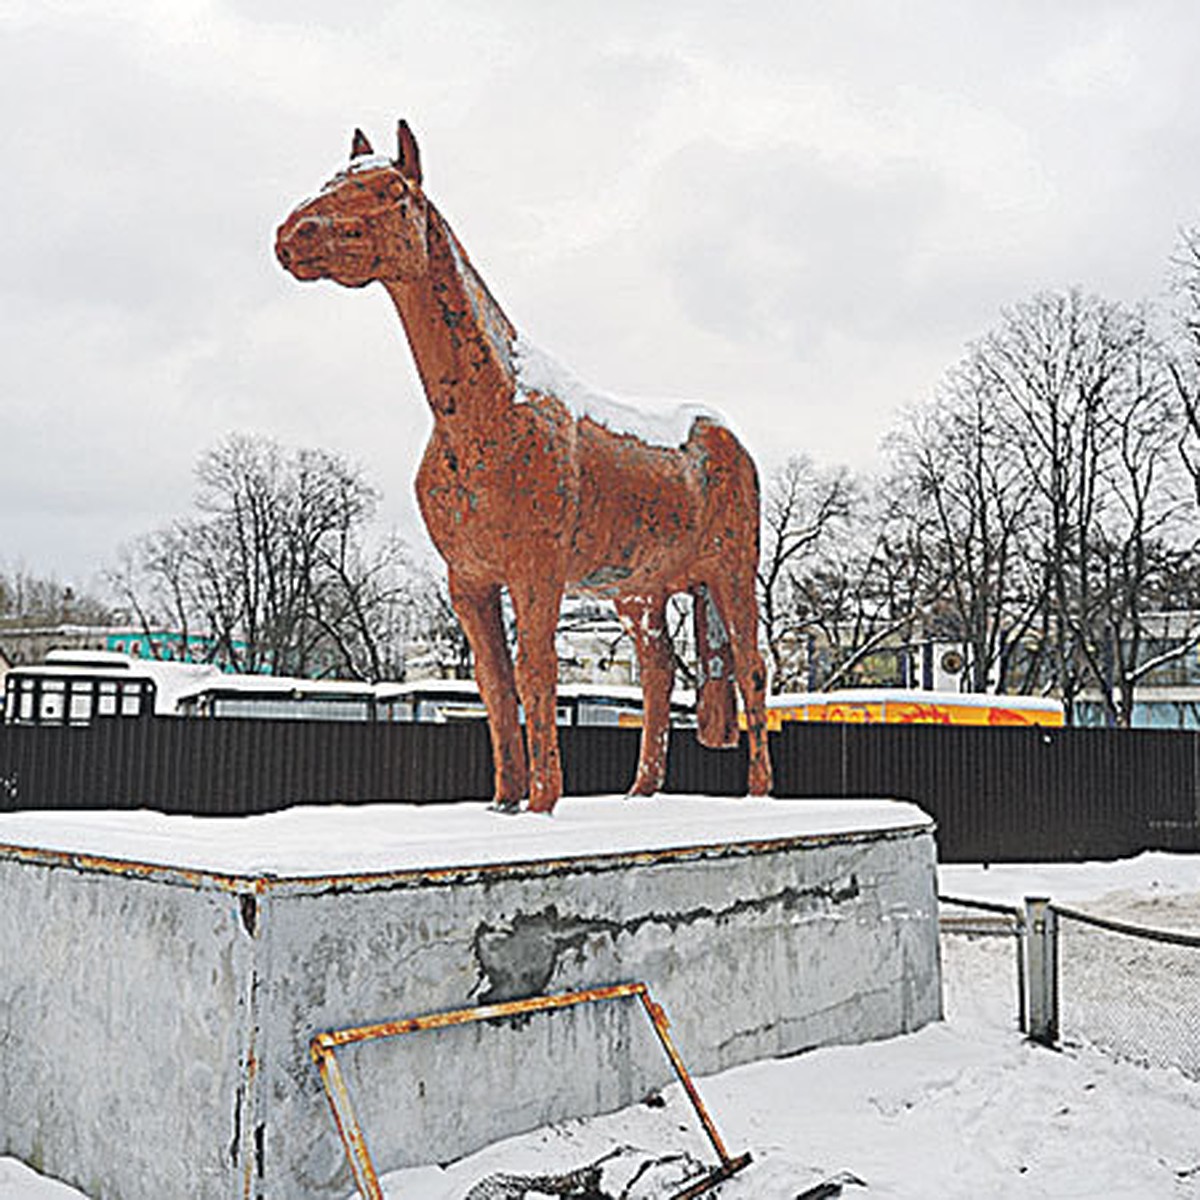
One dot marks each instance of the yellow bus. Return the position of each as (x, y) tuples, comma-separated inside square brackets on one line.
[(903, 706)]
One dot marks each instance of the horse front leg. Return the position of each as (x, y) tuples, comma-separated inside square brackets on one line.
[(536, 604), (478, 610), (644, 618)]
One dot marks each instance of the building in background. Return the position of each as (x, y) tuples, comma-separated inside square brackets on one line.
[(28, 644)]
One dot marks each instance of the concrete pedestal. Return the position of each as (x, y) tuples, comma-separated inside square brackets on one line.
[(161, 978)]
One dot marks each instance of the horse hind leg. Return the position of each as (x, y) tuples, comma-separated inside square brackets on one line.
[(736, 602), (716, 704), (644, 618)]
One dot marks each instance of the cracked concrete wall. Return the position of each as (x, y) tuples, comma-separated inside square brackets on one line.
[(124, 1032), (753, 954), (155, 1026)]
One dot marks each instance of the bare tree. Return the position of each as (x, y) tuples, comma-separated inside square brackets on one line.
[(30, 599), (864, 592), (1184, 362), (1140, 545), (971, 502), (1049, 501), (151, 581), (435, 628), (802, 505), (275, 570), (1062, 370), (363, 605)]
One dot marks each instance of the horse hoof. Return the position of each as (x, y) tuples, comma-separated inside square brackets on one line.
[(509, 808)]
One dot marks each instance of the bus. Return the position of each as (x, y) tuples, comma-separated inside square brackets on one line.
[(910, 706), (444, 700), (76, 687), (280, 698)]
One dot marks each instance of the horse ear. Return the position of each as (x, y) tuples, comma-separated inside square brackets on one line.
[(360, 145), (408, 157)]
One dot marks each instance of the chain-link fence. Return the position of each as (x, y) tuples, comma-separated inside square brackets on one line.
[(1130, 990), (1074, 978)]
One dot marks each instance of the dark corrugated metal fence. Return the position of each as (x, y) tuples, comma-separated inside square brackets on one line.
[(232, 767), (1011, 795), (997, 794)]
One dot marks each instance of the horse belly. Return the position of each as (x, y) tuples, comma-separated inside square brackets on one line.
[(638, 521)]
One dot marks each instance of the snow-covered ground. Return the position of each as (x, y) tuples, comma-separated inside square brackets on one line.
[(1151, 885), (964, 1108)]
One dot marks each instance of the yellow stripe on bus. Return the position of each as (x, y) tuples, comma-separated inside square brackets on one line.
[(1010, 712)]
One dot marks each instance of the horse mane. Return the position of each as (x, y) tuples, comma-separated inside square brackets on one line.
[(489, 317)]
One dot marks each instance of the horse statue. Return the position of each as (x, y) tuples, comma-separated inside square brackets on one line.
[(534, 483)]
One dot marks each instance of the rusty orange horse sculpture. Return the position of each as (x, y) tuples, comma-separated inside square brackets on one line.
[(531, 482)]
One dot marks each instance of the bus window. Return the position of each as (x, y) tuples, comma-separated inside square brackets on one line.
[(52, 707), (79, 701), (106, 701)]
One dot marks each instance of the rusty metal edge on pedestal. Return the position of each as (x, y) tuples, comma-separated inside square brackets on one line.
[(323, 1048)]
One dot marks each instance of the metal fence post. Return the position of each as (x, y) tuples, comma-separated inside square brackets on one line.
[(1041, 975), (1022, 940)]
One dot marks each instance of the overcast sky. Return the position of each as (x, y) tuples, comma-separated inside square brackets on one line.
[(797, 212)]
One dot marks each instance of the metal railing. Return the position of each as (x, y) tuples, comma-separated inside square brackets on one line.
[(1132, 991), (962, 917), (324, 1048)]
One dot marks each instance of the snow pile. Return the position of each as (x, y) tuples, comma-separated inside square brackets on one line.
[(655, 422), (966, 1108), (1152, 875), (961, 1109), (335, 840), (18, 1182)]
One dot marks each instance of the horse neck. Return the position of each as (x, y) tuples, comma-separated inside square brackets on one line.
[(460, 337)]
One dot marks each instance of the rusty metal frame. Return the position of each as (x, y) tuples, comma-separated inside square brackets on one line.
[(323, 1048)]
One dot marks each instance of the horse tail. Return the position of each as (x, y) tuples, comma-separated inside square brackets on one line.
[(716, 702)]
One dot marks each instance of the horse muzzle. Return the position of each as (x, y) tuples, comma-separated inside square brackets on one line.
[(299, 246), (314, 247)]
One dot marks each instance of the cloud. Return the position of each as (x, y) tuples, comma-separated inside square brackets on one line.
[(781, 246), (798, 211)]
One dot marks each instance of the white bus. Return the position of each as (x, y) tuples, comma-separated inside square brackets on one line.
[(443, 700), (280, 697), (76, 687)]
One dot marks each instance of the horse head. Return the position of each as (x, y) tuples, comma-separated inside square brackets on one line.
[(368, 222)]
